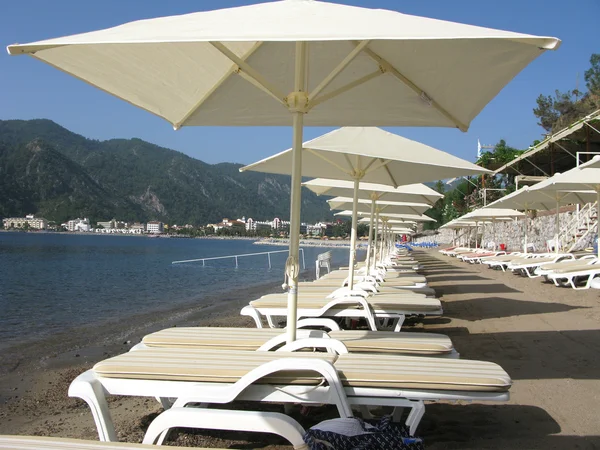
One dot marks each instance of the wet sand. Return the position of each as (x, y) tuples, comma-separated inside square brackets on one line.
[(546, 338)]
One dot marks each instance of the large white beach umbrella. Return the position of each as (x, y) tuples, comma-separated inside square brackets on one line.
[(417, 192), (374, 192), (402, 217), (368, 154), (493, 214), (325, 64), (575, 182), (342, 203)]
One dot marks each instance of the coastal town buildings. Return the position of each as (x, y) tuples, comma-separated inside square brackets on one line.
[(29, 220), (78, 225), (155, 227)]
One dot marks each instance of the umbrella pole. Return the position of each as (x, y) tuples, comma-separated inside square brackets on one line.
[(557, 226), (375, 239), (292, 266), (494, 232), (526, 227), (353, 233), (370, 246)]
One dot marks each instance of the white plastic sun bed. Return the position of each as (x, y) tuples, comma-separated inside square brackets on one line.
[(371, 309), (578, 278), (579, 263), (199, 418), (265, 339), (344, 380), (527, 267)]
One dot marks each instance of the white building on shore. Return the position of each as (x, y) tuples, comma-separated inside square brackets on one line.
[(78, 225), (155, 227), (36, 223)]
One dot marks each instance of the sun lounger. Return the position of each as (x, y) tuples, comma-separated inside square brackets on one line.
[(199, 418), (528, 266), (502, 261), (578, 278), (389, 277), (476, 258), (221, 376), (573, 264), (356, 341), (370, 309), (365, 289)]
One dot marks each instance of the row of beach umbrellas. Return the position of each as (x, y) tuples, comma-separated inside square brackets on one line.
[(579, 185), (305, 62)]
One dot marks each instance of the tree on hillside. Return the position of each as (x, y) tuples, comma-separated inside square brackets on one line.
[(558, 111), (545, 112), (592, 75)]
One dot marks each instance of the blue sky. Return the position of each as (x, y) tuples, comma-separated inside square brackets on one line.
[(31, 89)]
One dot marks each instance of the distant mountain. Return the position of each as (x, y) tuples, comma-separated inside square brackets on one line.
[(47, 170)]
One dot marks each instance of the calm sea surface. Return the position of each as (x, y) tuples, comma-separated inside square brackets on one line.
[(53, 282)]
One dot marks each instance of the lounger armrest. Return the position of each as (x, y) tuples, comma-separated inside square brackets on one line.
[(280, 339), (345, 291), (322, 322), (330, 345)]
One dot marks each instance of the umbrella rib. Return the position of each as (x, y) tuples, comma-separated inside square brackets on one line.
[(341, 90), (340, 67), (250, 74), (216, 86), (337, 166), (352, 168), (388, 67), (395, 184)]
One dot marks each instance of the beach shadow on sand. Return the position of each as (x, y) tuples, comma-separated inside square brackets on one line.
[(533, 355), (476, 288), (479, 425), (498, 307)]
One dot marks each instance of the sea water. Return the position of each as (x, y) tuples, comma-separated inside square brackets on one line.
[(50, 283)]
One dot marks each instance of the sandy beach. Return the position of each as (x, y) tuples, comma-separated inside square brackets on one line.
[(546, 338)]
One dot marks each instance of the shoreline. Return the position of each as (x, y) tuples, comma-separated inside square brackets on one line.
[(343, 243), (91, 343), (546, 338)]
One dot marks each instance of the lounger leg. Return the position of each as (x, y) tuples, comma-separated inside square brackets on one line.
[(252, 312), (399, 323), (88, 388), (270, 322), (415, 416)]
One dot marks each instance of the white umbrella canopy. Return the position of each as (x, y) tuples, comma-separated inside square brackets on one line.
[(403, 217), (594, 163), (381, 207), (371, 155), (493, 214), (406, 223), (416, 192), (326, 64), (237, 66)]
